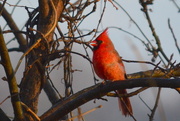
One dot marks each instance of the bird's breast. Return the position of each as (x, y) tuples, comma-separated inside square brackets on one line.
[(107, 66)]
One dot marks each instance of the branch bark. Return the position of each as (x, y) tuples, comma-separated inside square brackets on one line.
[(13, 88), (21, 40), (62, 108), (3, 116), (34, 75), (172, 72)]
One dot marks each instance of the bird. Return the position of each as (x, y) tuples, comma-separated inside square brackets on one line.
[(108, 65)]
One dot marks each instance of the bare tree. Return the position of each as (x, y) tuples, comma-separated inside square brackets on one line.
[(42, 41)]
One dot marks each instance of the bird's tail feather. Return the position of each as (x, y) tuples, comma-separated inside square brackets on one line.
[(125, 104)]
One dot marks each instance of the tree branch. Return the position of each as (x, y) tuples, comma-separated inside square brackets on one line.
[(13, 88), (172, 72), (3, 116), (21, 40), (173, 35), (34, 77), (97, 91), (145, 4)]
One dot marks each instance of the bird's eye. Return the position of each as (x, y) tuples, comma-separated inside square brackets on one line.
[(99, 42)]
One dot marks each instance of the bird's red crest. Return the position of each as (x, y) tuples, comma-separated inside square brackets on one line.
[(103, 40), (103, 34)]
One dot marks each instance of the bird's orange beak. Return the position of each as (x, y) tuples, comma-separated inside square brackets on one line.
[(93, 43)]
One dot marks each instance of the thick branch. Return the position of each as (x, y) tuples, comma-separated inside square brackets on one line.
[(3, 116), (13, 88), (50, 92), (173, 72), (34, 77), (94, 92), (21, 40)]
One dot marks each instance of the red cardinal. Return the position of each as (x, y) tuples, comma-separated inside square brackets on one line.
[(108, 66)]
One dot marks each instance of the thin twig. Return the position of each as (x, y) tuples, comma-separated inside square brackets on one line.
[(104, 8), (144, 103), (176, 5), (158, 42), (174, 37), (146, 62), (13, 5), (128, 94), (120, 98), (141, 31), (4, 100), (130, 34), (30, 111), (39, 40), (155, 106), (85, 113), (153, 50)]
